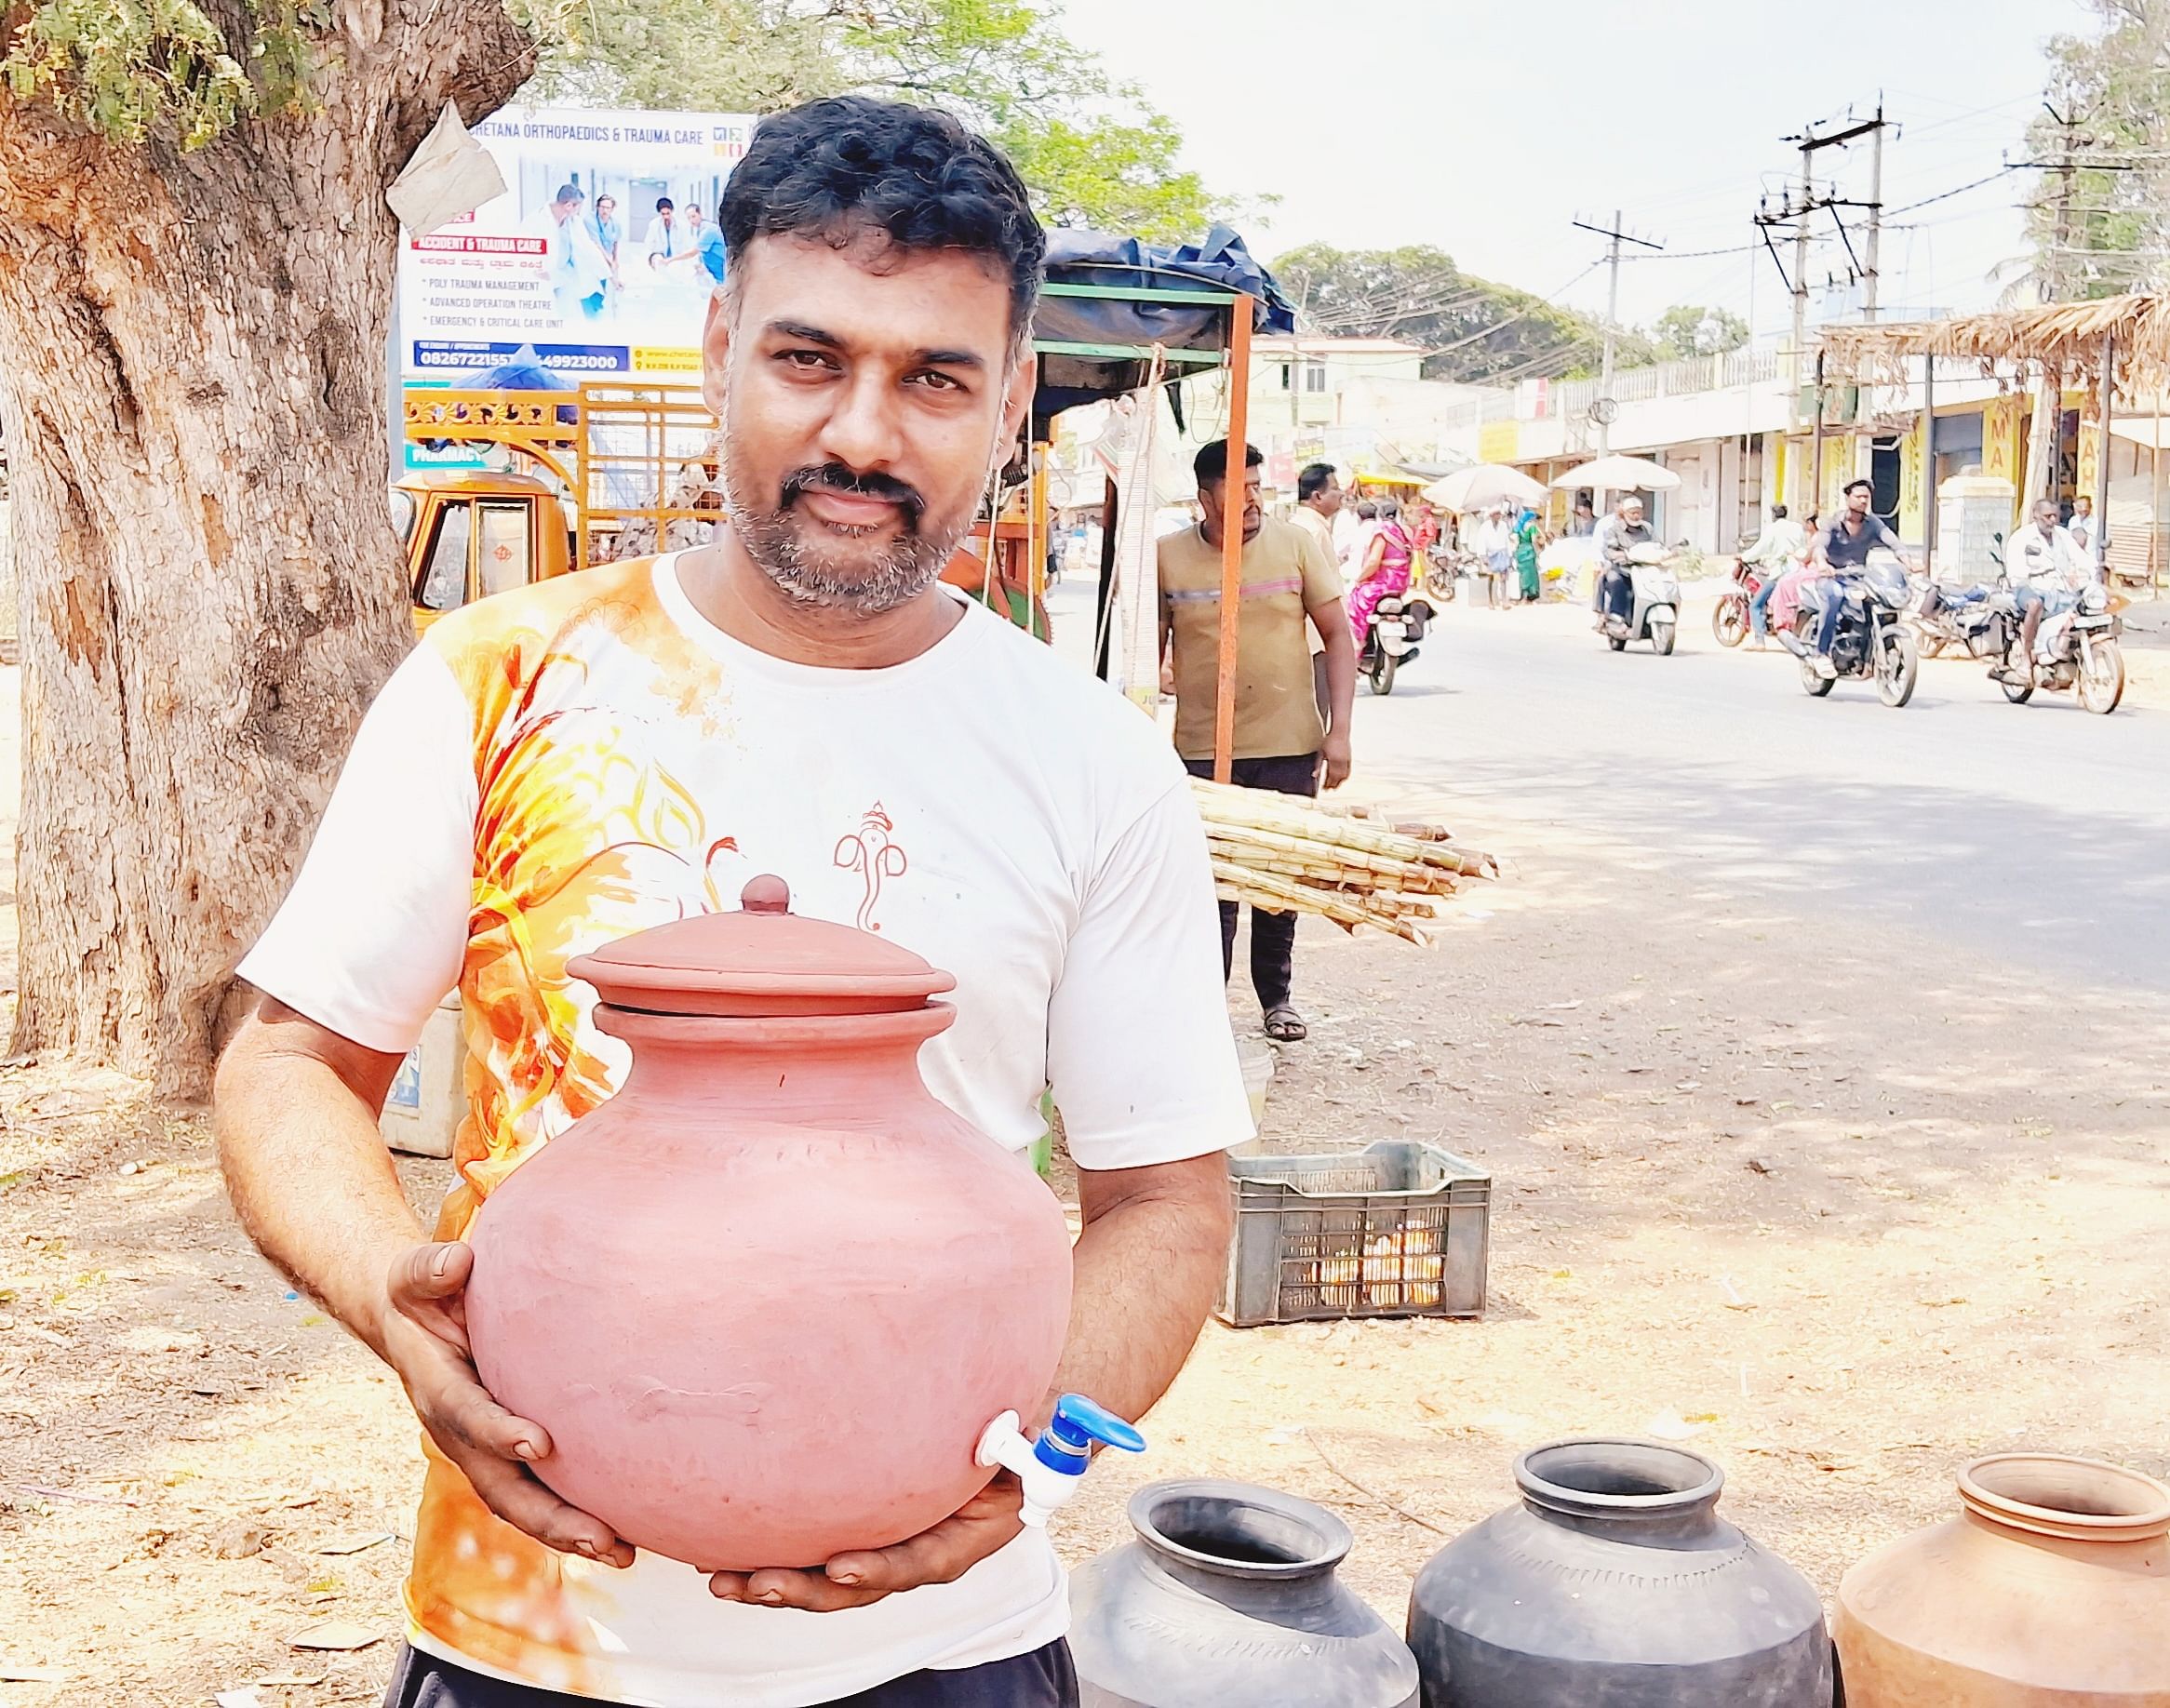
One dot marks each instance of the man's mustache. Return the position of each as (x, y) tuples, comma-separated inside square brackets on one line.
[(835, 478)]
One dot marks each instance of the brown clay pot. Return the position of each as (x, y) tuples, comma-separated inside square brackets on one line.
[(766, 1299), (2051, 1589)]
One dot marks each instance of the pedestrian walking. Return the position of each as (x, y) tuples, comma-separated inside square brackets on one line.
[(1528, 537), (1319, 499), (1282, 742)]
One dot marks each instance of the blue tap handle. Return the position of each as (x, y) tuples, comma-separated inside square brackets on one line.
[(1079, 1423)]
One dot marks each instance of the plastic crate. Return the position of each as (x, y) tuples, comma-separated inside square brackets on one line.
[(1395, 1230)]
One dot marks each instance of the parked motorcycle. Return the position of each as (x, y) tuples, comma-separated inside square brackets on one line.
[(1391, 637), (1729, 617), (1966, 619), (1871, 642), (1655, 615), (2076, 649)]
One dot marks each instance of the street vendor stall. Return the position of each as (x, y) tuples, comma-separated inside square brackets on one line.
[(2118, 349), (1119, 318)]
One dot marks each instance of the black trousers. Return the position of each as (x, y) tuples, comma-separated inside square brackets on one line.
[(1043, 1679), (1273, 936)]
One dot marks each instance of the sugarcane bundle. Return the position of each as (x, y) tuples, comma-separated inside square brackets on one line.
[(1284, 853)]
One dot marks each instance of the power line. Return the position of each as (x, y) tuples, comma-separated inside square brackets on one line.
[(1930, 201)]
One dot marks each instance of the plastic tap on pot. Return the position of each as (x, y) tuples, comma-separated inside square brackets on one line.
[(1052, 1468)]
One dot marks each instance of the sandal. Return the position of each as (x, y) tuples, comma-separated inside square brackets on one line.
[(1284, 1025)]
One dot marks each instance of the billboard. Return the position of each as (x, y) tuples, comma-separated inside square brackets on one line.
[(598, 260)]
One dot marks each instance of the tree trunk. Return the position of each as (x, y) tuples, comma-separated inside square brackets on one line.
[(210, 584)]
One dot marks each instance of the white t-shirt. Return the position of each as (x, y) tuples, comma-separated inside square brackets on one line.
[(1320, 529), (2050, 562), (563, 765)]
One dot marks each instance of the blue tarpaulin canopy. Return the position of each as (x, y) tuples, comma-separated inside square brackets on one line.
[(1108, 300)]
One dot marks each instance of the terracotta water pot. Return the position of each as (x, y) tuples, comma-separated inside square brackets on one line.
[(766, 1297), (2049, 1590)]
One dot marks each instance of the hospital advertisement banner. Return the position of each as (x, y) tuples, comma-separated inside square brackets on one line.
[(599, 259)]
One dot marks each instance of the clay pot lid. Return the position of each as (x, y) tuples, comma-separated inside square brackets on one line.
[(763, 960)]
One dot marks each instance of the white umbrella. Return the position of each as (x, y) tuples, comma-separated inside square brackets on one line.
[(1482, 486), (1620, 475)]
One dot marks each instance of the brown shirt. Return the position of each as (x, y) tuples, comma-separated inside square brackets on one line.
[(1286, 574)]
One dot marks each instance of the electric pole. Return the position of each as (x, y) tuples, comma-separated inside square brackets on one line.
[(1872, 271), (1603, 415), (2053, 280), (1796, 211)]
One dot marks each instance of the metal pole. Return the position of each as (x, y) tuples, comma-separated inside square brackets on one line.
[(1815, 480), (1612, 320), (1872, 267), (1929, 466), (2101, 540), (1110, 515), (2155, 501), (1801, 261), (1240, 314)]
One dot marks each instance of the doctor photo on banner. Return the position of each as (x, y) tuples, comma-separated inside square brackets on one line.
[(578, 269)]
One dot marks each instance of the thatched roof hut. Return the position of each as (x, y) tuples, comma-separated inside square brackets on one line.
[(2065, 337)]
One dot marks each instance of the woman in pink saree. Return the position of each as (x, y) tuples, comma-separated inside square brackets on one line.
[(1385, 569), (1785, 597)]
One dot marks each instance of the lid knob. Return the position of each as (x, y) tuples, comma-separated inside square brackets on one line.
[(766, 894)]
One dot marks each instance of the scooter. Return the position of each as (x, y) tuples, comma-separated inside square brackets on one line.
[(1397, 624), (1655, 615), (2076, 649), (1870, 642)]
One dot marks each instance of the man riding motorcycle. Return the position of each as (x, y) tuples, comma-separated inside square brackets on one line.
[(1843, 549), (1777, 548), (1623, 532), (2046, 567)]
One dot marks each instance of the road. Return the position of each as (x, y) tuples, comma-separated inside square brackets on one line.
[(2034, 834), (1819, 1054)]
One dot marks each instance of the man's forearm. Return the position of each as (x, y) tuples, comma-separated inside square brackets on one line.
[(1146, 1272), (1341, 674), (310, 1175)]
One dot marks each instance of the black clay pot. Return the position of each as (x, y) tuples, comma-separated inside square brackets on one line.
[(1228, 1599), (1616, 1583)]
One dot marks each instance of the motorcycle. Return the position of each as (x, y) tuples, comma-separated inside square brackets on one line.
[(1390, 638), (1729, 617), (1656, 608), (1960, 620), (1871, 642), (2076, 649)]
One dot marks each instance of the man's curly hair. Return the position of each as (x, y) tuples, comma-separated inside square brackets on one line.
[(839, 168)]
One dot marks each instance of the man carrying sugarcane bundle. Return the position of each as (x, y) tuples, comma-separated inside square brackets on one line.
[(1282, 742)]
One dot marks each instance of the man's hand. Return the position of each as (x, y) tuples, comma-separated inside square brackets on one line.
[(424, 1336), (986, 1523), (1334, 760)]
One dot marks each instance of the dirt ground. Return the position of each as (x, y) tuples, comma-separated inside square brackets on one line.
[(1831, 1229)]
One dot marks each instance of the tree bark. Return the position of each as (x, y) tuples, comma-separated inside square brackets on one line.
[(193, 349)]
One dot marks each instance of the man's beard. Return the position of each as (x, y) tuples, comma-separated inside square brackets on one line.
[(841, 569)]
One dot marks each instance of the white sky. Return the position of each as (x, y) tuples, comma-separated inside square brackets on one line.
[(1486, 129)]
